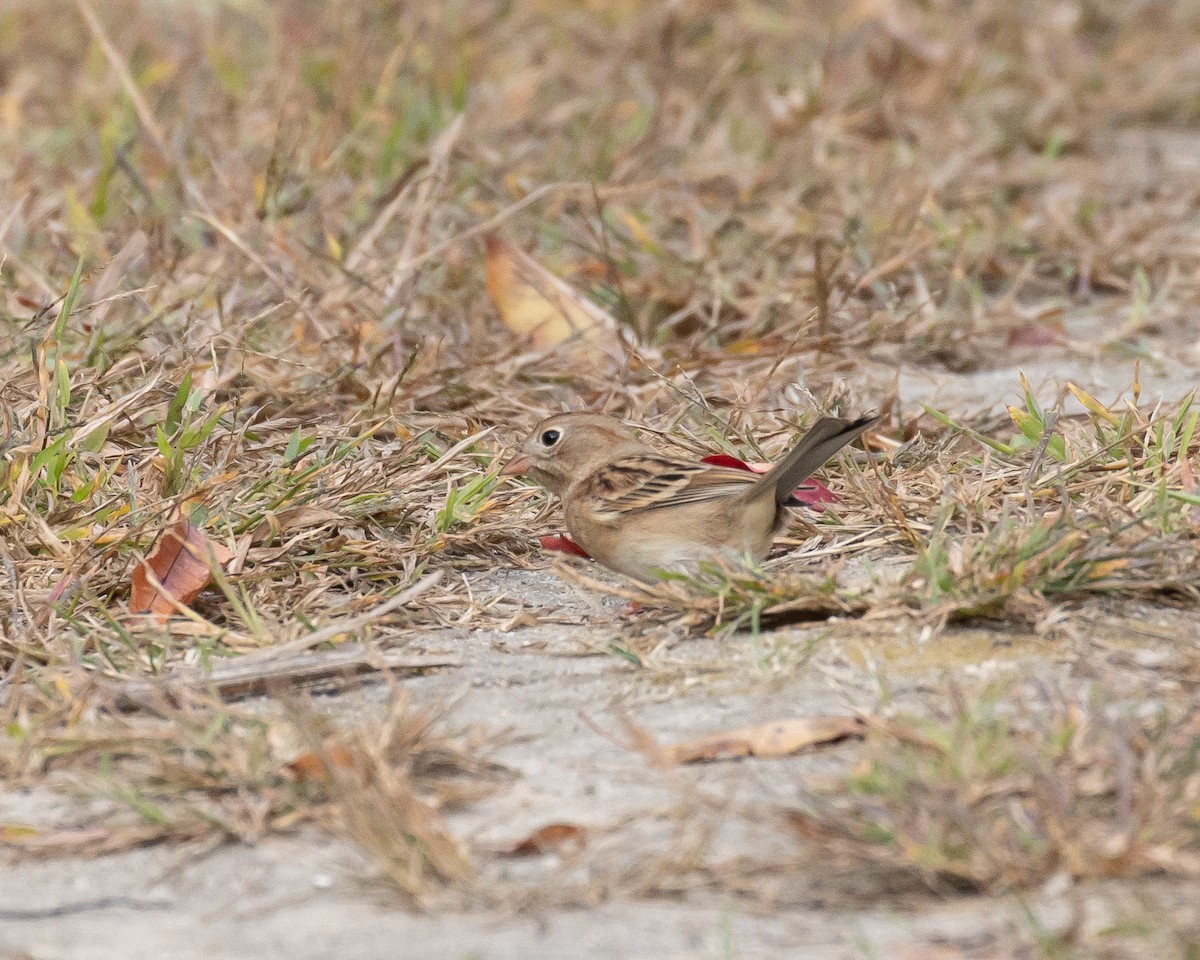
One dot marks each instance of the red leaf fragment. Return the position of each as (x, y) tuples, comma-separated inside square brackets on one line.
[(551, 838), (812, 494), (321, 767), (1047, 334), (564, 544), (725, 460), (181, 561)]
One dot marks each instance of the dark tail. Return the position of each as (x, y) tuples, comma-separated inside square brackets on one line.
[(827, 436)]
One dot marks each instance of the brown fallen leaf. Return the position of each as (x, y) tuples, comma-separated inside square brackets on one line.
[(1038, 334), (181, 560), (538, 306), (778, 739), (304, 517), (551, 838), (318, 767)]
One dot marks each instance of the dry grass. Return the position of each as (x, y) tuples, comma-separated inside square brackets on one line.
[(278, 325), (1007, 792), (204, 772)]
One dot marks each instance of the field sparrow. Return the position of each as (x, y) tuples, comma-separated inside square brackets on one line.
[(637, 511)]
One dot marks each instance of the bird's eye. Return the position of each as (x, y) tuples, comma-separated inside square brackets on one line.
[(550, 438)]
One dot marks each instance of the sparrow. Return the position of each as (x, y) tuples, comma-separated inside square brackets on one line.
[(641, 513)]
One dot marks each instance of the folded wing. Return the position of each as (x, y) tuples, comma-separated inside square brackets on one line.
[(639, 484)]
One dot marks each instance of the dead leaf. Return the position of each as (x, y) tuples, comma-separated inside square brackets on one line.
[(552, 838), (519, 621), (778, 739), (563, 544), (305, 517), (538, 306), (317, 767), (181, 560), (1032, 335)]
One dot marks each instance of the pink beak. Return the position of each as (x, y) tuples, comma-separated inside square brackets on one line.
[(518, 466)]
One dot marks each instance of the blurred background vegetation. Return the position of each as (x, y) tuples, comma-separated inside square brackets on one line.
[(918, 172)]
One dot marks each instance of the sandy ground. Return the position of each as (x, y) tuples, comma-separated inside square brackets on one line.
[(546, 687)]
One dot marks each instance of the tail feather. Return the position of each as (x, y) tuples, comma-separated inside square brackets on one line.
[(827, 436)]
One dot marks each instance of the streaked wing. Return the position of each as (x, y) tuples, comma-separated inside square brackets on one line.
[(637, 484)]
